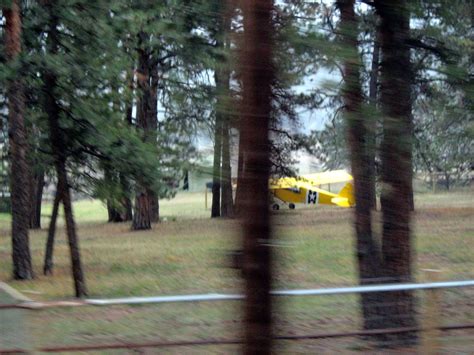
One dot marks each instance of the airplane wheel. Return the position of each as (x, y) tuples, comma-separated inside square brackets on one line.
[(276, 207), (292, 206)]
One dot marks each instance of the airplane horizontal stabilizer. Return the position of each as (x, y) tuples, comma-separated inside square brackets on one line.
[(347, 192), (341, 201)]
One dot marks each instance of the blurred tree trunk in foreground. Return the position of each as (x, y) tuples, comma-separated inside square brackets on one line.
[(258, 75), (396, 154), (372, 126), (359, 136), (227, 202), (22, 266)]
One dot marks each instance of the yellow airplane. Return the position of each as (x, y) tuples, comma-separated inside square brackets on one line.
[(307, 190)]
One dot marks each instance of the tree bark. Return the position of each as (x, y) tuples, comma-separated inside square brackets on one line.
[(21, 256), (358, 134), (216, 173), (227, 203), (372, 131), (36, 197), (59, 152), (48, 255), (77, 271), (127, 202), (396, 154), (142, 215), (146, 200), (127, 213), (186, 180), (131, 87), (113, 213), (155, 206), (258, 76), (152, 118), (239, 192)]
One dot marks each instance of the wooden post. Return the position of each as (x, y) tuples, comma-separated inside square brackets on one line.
[(431, 335), (205, 198)]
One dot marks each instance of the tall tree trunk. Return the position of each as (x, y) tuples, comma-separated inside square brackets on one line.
[(216, 171), (48, 255), (258, 76), (113, 213), (396, 153), (367, 250), (410, 192), (127, 202), (155, 205), (142, 214), (21, 256), (186, 180), (59, 150), (77, 271), (146, 201), (227, 203), (372, 130), (36, 197), (131, 86), (239, 192), (127, 213), (152, 118)]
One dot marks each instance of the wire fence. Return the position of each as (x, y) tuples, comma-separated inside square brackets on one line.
[(329, 319)]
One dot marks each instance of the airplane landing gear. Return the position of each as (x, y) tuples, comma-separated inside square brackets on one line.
[(292, 206)]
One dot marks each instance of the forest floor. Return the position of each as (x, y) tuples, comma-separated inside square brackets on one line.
[(188, 253)]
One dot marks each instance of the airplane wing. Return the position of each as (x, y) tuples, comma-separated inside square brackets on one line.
[(282, 183), (328, 177), (311, 180), (291, 183)]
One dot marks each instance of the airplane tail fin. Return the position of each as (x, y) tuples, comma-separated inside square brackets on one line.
[(346, 196)]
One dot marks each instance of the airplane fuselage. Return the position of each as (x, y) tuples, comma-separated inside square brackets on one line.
[(304, 196)]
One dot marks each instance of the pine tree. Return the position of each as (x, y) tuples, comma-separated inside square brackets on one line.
[(59, 149), (22, 265), (396, 155), (358, 137)]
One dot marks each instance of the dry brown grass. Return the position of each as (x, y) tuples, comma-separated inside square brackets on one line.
[(314, 248)]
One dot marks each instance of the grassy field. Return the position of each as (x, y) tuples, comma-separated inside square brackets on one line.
[(186, 253)]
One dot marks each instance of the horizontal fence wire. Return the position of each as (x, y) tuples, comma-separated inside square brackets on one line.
[(462, 324), (233, 297)]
